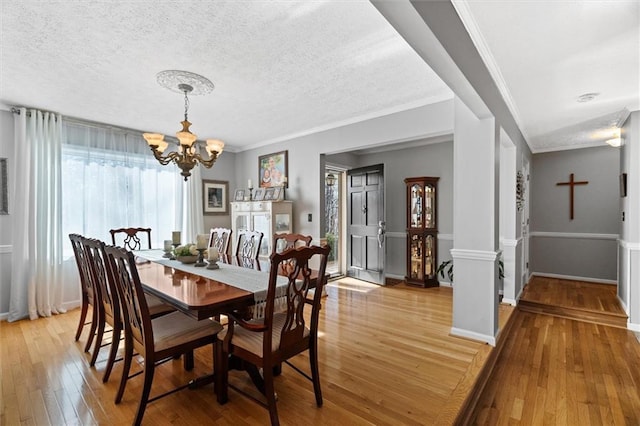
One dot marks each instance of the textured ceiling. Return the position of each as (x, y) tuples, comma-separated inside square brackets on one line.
[(545, 54), (280, 68), (288, 68)]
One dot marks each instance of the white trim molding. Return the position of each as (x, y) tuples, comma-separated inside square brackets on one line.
[(629, 246), (6, 249), (511, 243), (633, 327), (575, 235), (457, 332), (574, 278), (475, 254)]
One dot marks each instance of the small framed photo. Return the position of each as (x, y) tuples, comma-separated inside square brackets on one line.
[(268, 193), (239, 195), (258, 195), (278, 193), (273, 170), (215, 197)]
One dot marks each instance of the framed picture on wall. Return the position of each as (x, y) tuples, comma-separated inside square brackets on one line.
[(273, 170), (215, 196)]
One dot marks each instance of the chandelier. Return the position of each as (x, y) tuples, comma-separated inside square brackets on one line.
[(189, 152)]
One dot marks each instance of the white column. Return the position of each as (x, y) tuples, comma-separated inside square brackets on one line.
[(475, 223), (629, 245)]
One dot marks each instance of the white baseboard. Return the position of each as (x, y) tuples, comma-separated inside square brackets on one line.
[(633, 327), (473, 335), (4, 316), (508, 301), (445, 284), (574, 278), (624, 305)]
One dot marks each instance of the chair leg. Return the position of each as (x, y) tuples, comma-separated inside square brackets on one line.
[(83, 316), (149, 368), (270, 394), (315, 375), (221, 372), (92, 330), (96, 347), (188, 361), (115, 343), (128, 355)]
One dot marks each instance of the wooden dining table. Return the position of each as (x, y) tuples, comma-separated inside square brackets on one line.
[(191, 292)]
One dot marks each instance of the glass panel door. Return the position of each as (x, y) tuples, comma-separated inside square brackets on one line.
[(261, 222)]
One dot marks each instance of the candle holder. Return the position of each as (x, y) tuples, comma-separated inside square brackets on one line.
[(250, 193), (200, 261), (213, 264)]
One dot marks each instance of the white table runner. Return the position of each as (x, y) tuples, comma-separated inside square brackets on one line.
[(246, 279)]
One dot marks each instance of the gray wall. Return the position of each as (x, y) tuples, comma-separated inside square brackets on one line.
[(586, 246), (222, 170), (6, 151)]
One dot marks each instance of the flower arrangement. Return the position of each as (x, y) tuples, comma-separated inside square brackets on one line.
[(185, 250)]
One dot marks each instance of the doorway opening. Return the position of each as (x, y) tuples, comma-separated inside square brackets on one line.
[(334, 221)]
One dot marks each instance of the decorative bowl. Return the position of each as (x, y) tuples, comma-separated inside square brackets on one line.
[(187, 259)]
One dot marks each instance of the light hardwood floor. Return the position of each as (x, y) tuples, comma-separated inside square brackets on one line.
[(385, 354), (563, 371)]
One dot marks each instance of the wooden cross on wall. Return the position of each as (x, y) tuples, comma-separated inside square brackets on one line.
[(571, 184)]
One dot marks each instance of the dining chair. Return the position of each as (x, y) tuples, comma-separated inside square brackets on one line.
[(282, 242), (220, 238), (267, 342), (108, 303), (87, 290), (131, 239), (156, 340), (248, 244)]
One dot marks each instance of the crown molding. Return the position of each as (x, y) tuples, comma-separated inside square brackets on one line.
[(464, 12)]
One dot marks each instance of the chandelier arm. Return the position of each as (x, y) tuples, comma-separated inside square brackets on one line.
[(164, 160), (207, 163)]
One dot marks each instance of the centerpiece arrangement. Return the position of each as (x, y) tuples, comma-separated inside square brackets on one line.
[(187, 253)]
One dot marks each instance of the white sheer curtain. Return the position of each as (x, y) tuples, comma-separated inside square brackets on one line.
[(192, 212), (111, 180), (36, 220)]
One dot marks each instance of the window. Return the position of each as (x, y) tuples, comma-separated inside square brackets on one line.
[(111, 180)]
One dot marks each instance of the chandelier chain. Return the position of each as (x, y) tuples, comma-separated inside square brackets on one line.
[(186, 104)]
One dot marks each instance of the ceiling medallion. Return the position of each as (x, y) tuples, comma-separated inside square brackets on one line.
[(174, 79)]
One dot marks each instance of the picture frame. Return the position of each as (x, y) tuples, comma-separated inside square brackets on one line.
[(215, 197), (4, 187), (238, 195), (268, 194), (273, 170), (278, 193), (258, 195)]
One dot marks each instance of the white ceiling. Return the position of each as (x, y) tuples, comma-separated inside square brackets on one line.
[(544, 54), (288, 68)]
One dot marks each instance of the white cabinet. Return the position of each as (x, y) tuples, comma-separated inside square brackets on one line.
[(268, 217)]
